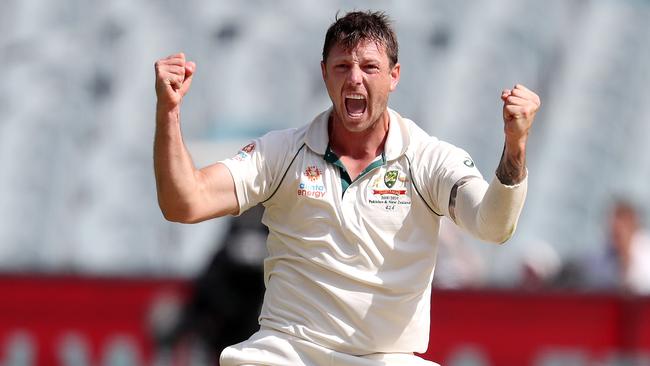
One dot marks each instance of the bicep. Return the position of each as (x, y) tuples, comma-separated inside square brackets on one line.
[(217, 195)]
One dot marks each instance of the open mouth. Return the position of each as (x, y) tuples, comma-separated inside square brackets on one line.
[(355, 105)]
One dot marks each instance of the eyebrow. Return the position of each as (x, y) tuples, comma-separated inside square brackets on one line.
[(361, 59)]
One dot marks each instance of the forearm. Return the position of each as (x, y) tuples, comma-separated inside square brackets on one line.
[(512, 167), (174, 170), (490, 212)]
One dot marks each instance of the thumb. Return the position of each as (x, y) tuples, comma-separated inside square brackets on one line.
[(190, 67)]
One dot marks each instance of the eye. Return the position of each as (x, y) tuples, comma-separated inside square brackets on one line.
[(372, 67), (341, 67)]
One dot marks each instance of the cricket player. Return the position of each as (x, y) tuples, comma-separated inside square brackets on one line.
[(353, 202)]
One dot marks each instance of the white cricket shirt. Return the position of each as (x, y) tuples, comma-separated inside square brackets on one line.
[(350, 270)]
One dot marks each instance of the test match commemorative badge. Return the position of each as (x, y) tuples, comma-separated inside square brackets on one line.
[(392, 193)]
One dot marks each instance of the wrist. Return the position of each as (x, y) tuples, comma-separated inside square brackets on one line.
[(166, 115), (163, 107)]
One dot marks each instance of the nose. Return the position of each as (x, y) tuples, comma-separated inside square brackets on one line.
[(355, 75)]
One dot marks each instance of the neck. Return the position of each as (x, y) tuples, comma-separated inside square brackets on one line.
[(365, 144)]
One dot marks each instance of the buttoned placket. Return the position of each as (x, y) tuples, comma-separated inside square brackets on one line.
[(345, 202)]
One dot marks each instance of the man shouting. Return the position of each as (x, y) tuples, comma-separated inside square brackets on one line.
[(353, 202)]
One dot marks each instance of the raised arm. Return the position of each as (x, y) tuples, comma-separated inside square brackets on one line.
[(490, 212), (185, 194), (519, 108)]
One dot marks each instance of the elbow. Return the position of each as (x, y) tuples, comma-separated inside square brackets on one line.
[(188, 213), (177, 213), (174, 216), (497, 227), (499, 236)]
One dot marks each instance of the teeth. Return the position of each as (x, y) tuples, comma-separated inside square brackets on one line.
[(356, 96)]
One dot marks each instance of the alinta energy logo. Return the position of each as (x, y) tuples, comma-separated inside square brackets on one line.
[(311, 183), (313, 173)]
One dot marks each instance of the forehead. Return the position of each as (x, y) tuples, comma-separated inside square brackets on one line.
[(366, 49)]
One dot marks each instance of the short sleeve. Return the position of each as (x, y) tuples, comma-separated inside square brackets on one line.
[(256, 168), (439, 167)]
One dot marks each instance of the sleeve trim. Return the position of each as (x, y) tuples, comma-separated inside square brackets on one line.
[(285, 173), (454, 192)]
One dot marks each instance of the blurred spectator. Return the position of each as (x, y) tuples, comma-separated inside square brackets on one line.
[(625, 263), (541, 266), (458, 265), (227, 297)]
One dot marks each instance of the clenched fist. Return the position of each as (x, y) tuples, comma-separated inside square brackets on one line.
[(173, 80), (519, 108)]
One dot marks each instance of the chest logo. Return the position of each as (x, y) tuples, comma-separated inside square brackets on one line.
[(312, 173), (311, 183), (389, 190), (394, 184), (390, 178)]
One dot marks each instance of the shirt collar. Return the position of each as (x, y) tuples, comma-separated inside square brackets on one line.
[(397, 141), (317, 137), (398, 137)]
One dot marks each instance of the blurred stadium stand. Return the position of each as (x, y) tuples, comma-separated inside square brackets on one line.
[(77, 191)]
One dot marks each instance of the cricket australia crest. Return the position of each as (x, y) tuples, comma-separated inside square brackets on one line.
[(390, 178), (390, 192)]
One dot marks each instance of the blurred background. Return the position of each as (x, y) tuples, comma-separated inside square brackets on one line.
[(91, 273)]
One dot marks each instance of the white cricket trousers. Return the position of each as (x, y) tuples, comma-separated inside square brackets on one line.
[(272, 348)]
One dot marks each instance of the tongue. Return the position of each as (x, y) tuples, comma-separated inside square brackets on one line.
[(355, 106)]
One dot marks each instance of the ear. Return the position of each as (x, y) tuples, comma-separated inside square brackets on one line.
[(323, 70), (394, 76)]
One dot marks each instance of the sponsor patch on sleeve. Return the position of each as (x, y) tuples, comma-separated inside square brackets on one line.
[(245, 152)]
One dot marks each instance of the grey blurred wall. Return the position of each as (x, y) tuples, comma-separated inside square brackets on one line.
[(76, 181)]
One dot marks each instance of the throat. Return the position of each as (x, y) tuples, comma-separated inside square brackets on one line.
[(355, 167), (364, 145)]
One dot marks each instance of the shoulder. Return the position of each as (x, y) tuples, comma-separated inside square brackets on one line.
[(286, 135), (430, 152), (280, 141), (425, 146)]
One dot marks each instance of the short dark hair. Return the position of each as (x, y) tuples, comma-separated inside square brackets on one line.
[(359, 26)]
